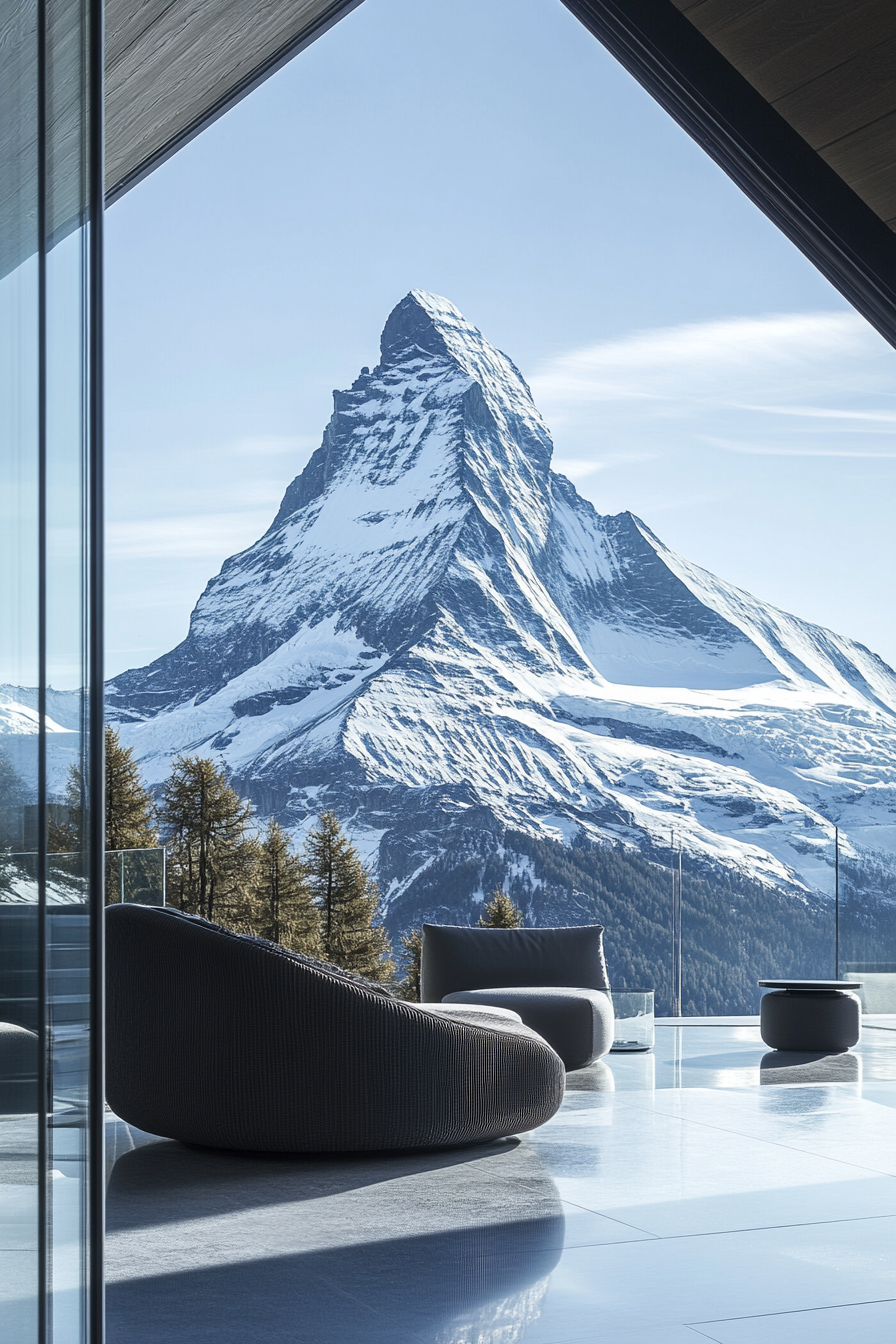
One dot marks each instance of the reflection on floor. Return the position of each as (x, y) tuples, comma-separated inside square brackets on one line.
[(729, 1056), (710, 1190)]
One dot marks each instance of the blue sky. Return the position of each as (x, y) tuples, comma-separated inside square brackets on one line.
[(693, 366)]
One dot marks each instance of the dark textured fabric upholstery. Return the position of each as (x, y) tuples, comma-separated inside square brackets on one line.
[(518, 969), (821, 1020), (457, 958), (231, 1042), (579, 1023)]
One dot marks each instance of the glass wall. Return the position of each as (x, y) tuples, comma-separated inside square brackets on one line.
[(51, 1101), (723, 933)]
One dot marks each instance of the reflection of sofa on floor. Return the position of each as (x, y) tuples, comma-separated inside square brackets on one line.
[(556, 979), (232, 1042)]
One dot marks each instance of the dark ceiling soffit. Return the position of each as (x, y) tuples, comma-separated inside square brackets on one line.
[(327, 20), (765, 156)]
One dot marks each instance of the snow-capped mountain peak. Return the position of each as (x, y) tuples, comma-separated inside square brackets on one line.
[(436, 623)]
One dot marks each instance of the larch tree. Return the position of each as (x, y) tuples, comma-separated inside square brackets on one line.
[(130, 820), (212, 847), (349, 903), (285, 911), (130, 813), (500, 912)]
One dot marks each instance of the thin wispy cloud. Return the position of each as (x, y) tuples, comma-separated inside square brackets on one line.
[(885, 418), (577, 468), (273, 445), (189, 537), (788, 450), (755, 446), (735, 362), (760, 380)]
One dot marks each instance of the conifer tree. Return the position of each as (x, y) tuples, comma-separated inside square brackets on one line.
[(349, 902), (12, 798), (500, 913), (130, 823), (410, 958), (64, 822), (130, 814), (213, 852), (285, 911)]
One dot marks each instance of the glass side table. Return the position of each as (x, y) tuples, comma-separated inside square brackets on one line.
[(634, 1020)]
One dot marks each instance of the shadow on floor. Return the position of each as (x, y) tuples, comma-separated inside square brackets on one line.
[(165, 1181)]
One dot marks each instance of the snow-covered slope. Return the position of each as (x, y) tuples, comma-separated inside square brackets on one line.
[(19, 722), (436, 626)]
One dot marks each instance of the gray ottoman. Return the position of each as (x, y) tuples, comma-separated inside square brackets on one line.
[(578, 1023), (810, 1015)]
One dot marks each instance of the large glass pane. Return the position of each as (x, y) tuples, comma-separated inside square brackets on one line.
[(50, 1107), (20, 1016)]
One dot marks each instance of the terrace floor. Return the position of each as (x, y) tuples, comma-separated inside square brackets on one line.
[(696, 1193)]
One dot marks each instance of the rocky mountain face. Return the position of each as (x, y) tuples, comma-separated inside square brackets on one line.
[(489, 681)]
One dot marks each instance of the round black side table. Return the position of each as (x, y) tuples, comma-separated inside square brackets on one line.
[(822, 1015)]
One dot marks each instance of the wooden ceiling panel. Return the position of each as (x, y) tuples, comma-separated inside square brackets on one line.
[(865, 159), (126, 23), (829, 68), (850, 31), (174, 65), (854, 94), (779, 36)]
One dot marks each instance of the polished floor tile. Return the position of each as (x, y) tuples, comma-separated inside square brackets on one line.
[(18, 1217), (677, 1196), (735, 1057), (651, 1292), (828, 1122), (18, 1295), (884, 1093), (865, 1321), (672, 1176)]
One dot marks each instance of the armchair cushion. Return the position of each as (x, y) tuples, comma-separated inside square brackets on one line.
[(579, 1023), (455, 958)]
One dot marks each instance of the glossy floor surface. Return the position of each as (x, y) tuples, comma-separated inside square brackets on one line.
[(704, 1192)]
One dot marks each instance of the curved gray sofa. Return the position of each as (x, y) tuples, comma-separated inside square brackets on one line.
[(556, 979), (231, 1042)]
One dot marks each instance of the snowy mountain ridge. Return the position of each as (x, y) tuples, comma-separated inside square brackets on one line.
[(436, 625)]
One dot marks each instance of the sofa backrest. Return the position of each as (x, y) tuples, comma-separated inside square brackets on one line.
[(456, 958)]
